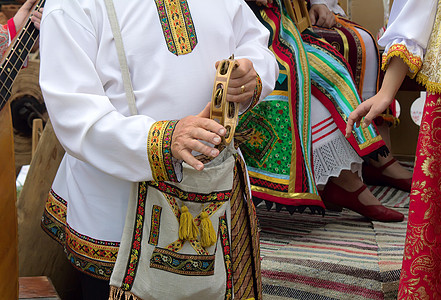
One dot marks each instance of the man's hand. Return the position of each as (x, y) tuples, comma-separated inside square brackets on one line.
[(23, 12), (320, 15), (188, 134), (242, 82)]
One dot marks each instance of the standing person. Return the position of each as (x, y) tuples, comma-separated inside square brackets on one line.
[(313, 96), (411, 42), (171, 50)]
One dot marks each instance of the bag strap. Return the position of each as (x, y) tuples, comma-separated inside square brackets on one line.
[(128, 88)]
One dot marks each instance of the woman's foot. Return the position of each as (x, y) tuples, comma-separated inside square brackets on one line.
[(349, 191), (387, 172)]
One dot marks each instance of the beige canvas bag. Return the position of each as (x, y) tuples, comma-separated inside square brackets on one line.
[(176, 241)]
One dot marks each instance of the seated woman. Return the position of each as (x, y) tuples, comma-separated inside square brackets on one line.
[(358, 47), (292, 128)]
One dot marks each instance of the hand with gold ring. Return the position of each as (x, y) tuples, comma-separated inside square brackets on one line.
[(242, 82)]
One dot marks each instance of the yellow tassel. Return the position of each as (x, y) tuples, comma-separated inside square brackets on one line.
[(208, 235), (187, 228)]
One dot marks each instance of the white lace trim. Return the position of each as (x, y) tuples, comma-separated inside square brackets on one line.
[(332, 155)]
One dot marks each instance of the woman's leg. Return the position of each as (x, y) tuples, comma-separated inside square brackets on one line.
[(337, 169), (394, 170)]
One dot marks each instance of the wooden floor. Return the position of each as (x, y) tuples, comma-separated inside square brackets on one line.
[(36, 288)]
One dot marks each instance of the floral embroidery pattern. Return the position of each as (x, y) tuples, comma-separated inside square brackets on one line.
[(154, 228), (4, 39), (190, 265), (188, 196), (256, 138), (177, 26), (421, 270), (135, 251), (223, 229), (91, 267), (159, 150)]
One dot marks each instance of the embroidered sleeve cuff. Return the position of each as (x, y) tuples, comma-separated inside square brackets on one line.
[(256, 96), (414, 61), (159, 151)]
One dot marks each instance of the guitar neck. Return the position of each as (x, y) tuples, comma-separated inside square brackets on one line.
[(16, 56)]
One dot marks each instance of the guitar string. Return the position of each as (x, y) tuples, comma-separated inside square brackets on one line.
[(19, 43)]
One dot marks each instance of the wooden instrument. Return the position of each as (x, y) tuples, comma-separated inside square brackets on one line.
[(298, 12), (11, 63), (224, 112)]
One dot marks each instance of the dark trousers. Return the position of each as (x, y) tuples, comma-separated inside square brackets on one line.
[(93, 288)]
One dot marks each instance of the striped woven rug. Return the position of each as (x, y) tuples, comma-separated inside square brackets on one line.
[(338, 256)]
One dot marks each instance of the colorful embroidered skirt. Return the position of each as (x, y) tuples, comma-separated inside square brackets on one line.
[(278, 155), (346, 39)]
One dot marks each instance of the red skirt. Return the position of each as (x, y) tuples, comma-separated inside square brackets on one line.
[(421, 271)]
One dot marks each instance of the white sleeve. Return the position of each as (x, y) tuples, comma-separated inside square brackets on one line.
[(410, 23), (86, 123), (252, 43)]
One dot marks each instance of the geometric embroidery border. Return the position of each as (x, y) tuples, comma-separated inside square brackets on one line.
[(154, 228), (180, 34)]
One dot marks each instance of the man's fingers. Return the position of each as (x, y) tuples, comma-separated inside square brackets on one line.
[(205, 135), (321, 21), (312, 16), (330, 22), (197, 146), (205, 113), (191, 160)]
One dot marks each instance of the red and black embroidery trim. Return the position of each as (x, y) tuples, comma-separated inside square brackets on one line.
[(188, 196), (135, 251)]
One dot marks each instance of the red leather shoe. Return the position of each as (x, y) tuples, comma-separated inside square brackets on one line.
[(335, 196), (375, 176)]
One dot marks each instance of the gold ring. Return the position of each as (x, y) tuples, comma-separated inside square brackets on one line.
[(242, 89)]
